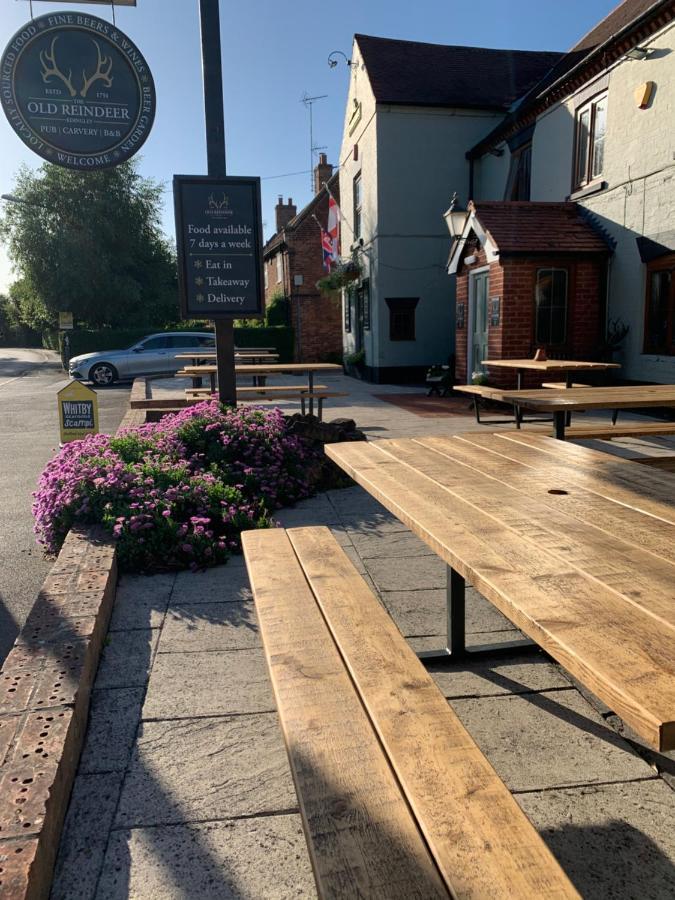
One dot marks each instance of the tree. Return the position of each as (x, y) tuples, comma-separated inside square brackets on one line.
[(90, 243)]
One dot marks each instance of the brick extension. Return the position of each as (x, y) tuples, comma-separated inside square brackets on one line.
[(294, 253), (530, 236)]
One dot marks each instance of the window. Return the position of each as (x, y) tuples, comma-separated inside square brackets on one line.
[(183, 340), (156, 343), (660, 306), (358, 200), (280, 268), (363, 296), (402, 318), (589, 157), (266, 278), (207, 342), (518, 184), (348, 311), (550, 297)]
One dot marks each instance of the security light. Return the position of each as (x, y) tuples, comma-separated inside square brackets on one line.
[(637, 53)]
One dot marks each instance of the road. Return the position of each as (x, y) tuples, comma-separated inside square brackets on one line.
[(29, 436)]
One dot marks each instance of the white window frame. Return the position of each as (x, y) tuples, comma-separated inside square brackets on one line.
[(581, 180)]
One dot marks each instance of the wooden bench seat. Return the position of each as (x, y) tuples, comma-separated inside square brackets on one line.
[(396, 798), (562, 385), (607, 432), (486, 392), (277, 392)]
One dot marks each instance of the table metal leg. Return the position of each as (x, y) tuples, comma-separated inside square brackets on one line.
[(310, 380), (456, 649), (559, 422)]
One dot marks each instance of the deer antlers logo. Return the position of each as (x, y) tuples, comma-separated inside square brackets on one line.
[(51, 70), (219, 204)]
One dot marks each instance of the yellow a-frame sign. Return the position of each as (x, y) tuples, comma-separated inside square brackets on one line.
[(78, 411)]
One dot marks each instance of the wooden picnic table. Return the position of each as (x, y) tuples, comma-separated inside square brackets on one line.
[(271, 369), (572, 545), (562, 402), (568, 366)]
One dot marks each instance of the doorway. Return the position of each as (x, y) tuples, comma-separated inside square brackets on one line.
[(477, 349)]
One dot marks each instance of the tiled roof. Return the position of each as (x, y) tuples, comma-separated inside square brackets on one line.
[(418, 74), (526, 227), (279, 237), (620, 20)]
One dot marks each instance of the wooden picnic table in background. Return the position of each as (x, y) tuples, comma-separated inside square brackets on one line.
[(561, 402), (271, 369), (568, 366), (572, 545)]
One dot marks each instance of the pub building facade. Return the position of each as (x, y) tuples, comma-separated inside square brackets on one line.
[(562, 222)]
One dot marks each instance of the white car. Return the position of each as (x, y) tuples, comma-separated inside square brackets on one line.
[(153, 355)]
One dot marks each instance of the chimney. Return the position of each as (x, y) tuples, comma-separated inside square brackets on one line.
[(285, 212), (322, 172)]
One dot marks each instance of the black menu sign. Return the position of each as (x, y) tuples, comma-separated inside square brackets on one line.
[(219, 242)]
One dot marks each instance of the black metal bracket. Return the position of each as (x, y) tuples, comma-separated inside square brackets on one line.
[(456, 650)]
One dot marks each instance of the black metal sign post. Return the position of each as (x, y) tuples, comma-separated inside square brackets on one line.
[(209, 15)]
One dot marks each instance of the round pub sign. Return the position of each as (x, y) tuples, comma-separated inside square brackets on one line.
[(77, 91)]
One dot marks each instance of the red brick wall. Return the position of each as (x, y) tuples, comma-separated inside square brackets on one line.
[(513, 280), (315, 317)]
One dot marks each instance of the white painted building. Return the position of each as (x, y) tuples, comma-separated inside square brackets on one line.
[(413, 111), (599, 130)]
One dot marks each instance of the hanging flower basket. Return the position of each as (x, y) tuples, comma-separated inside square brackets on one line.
[(343, 273)]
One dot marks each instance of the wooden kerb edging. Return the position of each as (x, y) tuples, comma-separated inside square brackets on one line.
[(396, 798)]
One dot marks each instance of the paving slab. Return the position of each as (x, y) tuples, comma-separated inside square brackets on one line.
[(394, 544), (368, 522), (294, 517), (614, 841), (139, 603), (546, 740), (493, 678), (127, 658), (187, 770), (209, 626), (85, 835), (221, 584), (420, 612), (114, 715), (185, 685), (258, 859), (412, 573), (480, 639)]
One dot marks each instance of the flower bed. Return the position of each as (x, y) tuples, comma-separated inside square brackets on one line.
[(177, 493)]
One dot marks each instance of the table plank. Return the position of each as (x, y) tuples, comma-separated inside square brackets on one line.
[(363, 840), (481, 840), (545, 399), (609, 476), (550, 365), (581, 623), (645, 579)]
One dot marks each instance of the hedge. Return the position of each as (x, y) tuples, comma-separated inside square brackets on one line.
[(121, 338)]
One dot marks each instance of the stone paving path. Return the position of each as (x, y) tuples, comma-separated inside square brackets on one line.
[(184, 791)]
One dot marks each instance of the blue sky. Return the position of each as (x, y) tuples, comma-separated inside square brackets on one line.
[(272, 54)]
